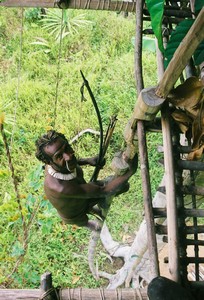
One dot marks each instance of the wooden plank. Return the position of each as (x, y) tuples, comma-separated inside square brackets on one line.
[(181, 57), (14, 294), (75, 4), (77, 294)]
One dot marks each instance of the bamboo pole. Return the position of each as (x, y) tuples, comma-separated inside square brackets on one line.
[(77, 294), (171, 207), (147, 197), (75, 4), (170, 191)]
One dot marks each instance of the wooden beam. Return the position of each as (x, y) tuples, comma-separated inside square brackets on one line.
[(28, 3), (77, 294), (75, 4)]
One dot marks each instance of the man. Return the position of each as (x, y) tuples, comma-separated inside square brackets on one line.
[(162, 288), (64, 183)]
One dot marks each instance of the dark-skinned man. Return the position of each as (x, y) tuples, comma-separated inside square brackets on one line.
[(64, 183), (162, 288)]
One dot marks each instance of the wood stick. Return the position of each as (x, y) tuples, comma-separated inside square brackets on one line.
[(191, 260), (188, 212), (193, 212), (194, 242), (191, 165), (193, 190)]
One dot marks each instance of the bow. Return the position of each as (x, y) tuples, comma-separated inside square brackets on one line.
[(100, 155)]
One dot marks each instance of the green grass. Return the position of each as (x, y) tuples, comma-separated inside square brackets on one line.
[(105, 54)]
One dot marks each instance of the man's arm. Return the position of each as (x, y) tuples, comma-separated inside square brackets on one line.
[(72, 189), (92, 161)]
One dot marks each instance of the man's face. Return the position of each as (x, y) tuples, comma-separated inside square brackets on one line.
[(62, 155)]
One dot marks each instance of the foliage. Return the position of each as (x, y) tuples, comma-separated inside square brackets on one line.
[(198, 5), (156, 9), (33, 14), (62, 23), (105, 54), (178, 34), (176, 37)]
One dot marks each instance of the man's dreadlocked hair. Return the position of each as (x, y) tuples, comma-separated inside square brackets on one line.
[(45, 140)]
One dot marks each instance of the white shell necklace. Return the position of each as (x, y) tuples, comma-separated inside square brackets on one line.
[(61, 176)]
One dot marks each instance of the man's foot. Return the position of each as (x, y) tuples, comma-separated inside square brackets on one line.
[(97, 212), (93, 226)]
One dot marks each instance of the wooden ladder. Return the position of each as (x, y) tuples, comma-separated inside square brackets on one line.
[(183, 210)]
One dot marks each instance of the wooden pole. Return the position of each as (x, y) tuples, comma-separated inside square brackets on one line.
[(151, 234), (75, 4), (170, 196), (77, 294), (47, 290)]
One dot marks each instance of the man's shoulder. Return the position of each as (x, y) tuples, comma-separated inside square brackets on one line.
[(59, 185)]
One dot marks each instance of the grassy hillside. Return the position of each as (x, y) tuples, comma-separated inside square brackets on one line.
[(40, 79)]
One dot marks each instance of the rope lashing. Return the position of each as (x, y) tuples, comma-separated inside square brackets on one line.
[(102, 296), (49, 292)]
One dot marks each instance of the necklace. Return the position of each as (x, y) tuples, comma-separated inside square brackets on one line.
[(61, 176)]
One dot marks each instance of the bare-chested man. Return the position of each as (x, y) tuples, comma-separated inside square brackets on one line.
[(65, 186)]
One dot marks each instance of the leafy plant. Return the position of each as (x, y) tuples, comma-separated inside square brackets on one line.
[(156, 10), (43, 43), (60, 23), (198, 5), (176, 37), (33, 14)]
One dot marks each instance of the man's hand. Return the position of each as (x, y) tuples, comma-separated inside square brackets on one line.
[(93, 161)]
